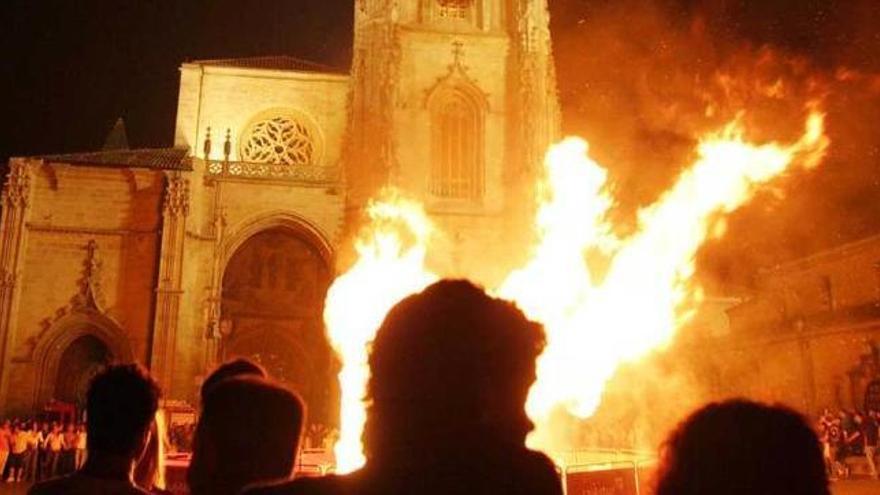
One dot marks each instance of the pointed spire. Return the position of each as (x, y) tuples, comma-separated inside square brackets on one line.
[(227, 145), (117, 138), (206, 148)]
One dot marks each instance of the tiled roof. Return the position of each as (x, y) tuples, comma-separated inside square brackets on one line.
[(274, 62), (158, 158)]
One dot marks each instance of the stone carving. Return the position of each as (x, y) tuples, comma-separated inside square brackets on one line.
[(88, 300), (90, 295), (279, 140), (177, 195), (18, 183), (244, 170), (457, 77), (370, 137)]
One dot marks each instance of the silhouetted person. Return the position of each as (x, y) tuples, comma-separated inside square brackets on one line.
[(740, 447), (248, 432), (237, 367), (450, 372), (120, 406)]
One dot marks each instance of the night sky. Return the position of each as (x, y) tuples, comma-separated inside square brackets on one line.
[(72, 68)]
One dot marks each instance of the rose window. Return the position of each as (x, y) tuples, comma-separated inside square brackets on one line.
[(279, 141)]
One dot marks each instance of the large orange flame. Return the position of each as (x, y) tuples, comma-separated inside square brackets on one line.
[(595, 321), (390, 267)]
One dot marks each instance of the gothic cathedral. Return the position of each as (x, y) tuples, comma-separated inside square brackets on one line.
[(225, 244)]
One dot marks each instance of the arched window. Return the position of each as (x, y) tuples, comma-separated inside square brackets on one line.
[(457, 168), (455, 9)]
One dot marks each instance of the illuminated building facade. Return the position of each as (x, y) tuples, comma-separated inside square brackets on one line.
[(225, 244)]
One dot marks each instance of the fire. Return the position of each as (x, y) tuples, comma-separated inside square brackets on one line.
[(604, 299), (595, 322), (390, 267)]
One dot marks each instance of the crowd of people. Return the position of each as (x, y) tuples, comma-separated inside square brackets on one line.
[(32, 450), (846, 435), (450, 366)]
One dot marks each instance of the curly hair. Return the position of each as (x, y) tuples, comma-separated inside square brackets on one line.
[(447, 362), (739, 446)]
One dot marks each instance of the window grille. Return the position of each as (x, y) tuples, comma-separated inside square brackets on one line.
[(455, 9), (457, 170), (278, 141)]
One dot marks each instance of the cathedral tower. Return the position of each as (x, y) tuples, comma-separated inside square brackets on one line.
[(453, 102)]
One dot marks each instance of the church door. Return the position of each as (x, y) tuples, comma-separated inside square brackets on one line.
[(79, 363), (271, 312)]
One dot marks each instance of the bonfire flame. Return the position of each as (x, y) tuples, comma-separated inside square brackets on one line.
[(594, 321), (390, 266)]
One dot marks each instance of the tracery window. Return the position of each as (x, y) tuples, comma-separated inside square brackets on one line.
[(279, 140), (455, 9), (457, 169)]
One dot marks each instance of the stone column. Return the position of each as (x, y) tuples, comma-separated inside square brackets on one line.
[(16, 197), (169, 289)]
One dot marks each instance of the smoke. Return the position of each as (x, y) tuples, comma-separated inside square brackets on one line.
[(643, 80)]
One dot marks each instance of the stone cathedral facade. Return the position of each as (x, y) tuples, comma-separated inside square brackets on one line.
[(225, 244)]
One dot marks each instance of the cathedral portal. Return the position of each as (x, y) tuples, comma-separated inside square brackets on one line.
[(272, 303)]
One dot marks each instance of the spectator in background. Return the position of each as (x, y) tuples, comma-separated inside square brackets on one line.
[(5, 444), (54, 446), (121, 404), (870, 435), (80, 452), (450, 370), (17, 452), (43, 453), (33, 453), (238, 367), (249, 432), (68, 450), (741, 447)]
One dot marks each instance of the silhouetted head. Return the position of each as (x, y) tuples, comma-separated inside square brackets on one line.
[(738, 447), (121, 403), (235, 368), (447, 364), (248, 433)]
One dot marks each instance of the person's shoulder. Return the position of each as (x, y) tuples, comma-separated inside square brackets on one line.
[(539, 474), (77, 484), (50, 487), (326, 485)]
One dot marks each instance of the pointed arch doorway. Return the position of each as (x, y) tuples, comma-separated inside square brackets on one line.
[(271, 308), (84, 358)]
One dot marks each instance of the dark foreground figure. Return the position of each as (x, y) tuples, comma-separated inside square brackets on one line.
[(741, 447), (450, 371), (121, 403), (249, 432)]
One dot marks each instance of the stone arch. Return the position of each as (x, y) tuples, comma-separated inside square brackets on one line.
[(275, 270), (62, 334), (275, 219)]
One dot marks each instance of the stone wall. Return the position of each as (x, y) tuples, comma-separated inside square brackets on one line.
[(89, 229), (231, 98), (809, 333)]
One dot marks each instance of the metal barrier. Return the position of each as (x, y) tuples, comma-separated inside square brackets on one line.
[(607, 472)]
